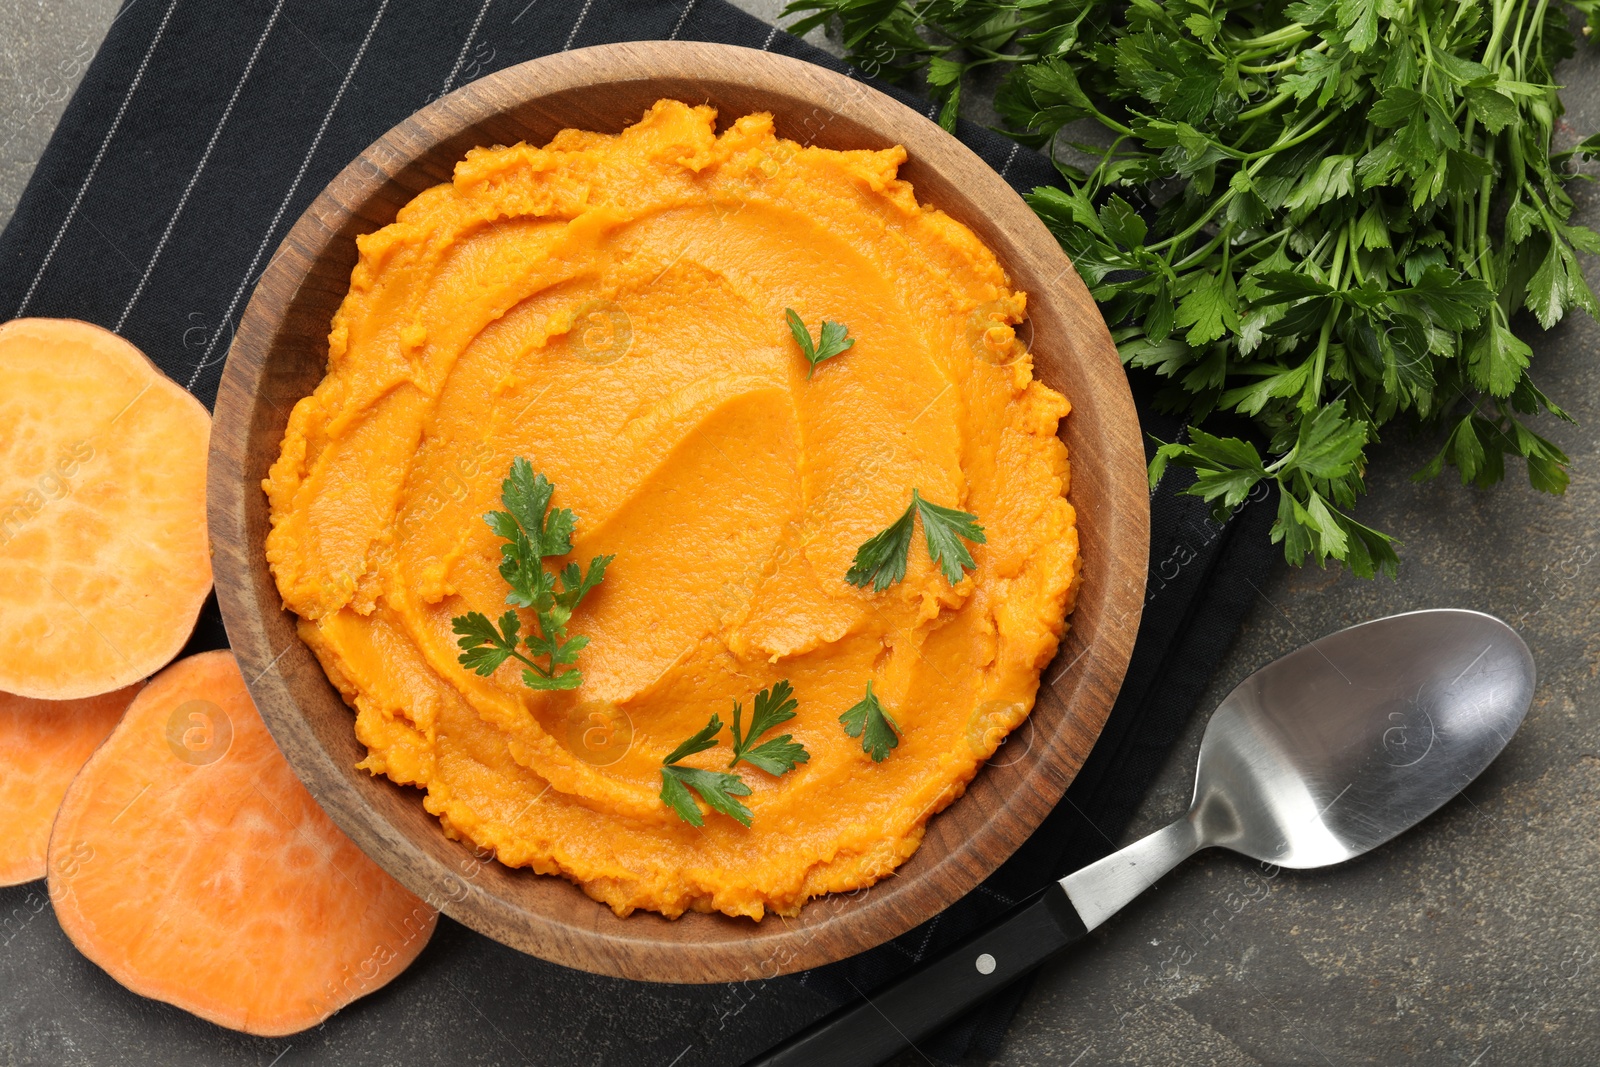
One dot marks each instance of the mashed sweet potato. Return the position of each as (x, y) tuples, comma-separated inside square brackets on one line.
[(612, 308)]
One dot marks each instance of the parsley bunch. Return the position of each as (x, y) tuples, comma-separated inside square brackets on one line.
[(1321, 217)]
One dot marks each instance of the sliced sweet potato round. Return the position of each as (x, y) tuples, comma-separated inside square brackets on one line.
[(189, 862), (104, 563), (42, 745)]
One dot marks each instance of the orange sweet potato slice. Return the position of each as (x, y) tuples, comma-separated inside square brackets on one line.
[(42, 745), (190, 863), (104, 563)]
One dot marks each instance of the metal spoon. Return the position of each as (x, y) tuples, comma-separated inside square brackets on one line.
[(1312, 760)]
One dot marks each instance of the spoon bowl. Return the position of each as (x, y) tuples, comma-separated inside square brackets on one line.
[(1339, 746)]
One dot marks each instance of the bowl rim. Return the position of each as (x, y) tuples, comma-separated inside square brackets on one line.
[(646, 946)]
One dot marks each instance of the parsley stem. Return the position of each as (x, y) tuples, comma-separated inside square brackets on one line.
[(1206, 249), (1279, 146), (1461, 221), (1094, 177), (1427, 51), (1282, 97), (1112, 124), (525, 661), (1486, 200), (1491, 52), (1268, 43), (1313, 393), (991, 56), (1355, 260), (1517, 47), (1282, 64)]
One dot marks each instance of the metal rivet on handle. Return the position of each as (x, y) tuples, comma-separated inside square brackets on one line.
[(985, 964)]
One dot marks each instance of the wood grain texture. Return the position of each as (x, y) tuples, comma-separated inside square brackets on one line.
[(279, 354)]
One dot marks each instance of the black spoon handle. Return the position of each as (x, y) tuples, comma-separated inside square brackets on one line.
[(867, 1033)]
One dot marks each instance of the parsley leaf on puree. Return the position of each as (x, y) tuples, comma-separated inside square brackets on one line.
[(532, 531), (716, 788), (829, 343), (777, 755), (881, 560), (878, 731)]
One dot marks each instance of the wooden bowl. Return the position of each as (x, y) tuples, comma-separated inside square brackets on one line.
[(280, 353)]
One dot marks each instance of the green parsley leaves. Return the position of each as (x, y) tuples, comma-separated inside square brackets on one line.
[(680, 785), (779, 754), (867, 720), (830, 342), (943, 528), (716, 788), (533, 531), (1318, 217), (881, 560)]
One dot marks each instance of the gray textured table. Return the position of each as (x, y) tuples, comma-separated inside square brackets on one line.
[(1470, 941)]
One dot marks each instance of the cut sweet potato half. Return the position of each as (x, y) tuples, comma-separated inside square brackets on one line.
[(43, 743), (189, 862), (104, 563)]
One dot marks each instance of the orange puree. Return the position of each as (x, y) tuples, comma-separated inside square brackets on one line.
[(612, 308)]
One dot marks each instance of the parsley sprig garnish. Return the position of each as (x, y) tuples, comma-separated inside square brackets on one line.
[(776, 755), (1291, 206), (716, 788), (533, 532), (878, 731), (881, 560), (830, 341)]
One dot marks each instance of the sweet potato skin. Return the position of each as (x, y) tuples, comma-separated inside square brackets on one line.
[(104, 558), (43, 743), (190, 863)]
